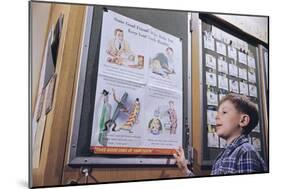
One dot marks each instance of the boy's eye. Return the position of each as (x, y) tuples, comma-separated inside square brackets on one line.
[(224, 112)]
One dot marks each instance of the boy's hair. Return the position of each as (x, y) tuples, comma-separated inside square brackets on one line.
[(243, 105)]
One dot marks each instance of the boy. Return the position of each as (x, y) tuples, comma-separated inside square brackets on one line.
[(237, 116)]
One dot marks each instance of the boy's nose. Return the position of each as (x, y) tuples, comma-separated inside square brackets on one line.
[(217, 116)]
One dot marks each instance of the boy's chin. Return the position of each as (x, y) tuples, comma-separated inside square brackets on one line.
[(220, 134)]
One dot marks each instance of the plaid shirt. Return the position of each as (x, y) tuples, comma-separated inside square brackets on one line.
[(238, 157)]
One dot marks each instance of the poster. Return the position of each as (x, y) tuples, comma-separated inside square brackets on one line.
[(223, 143), (164, 60), (256, 143), (221, 95), (163, 122), (233, 86), (243, 73), (232, 52), (252, 76), (211, 79), (209, 41), (233, 70), (210, 61), (222, 65), (253, 90), (257, 128), (211, 117), (138, 102), (221, 48), (212, 98), (213, 140), (223, 82), (244, 88), (123, 49), (251, 62), (242, 58)]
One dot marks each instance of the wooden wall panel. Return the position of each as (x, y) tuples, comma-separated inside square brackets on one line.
[(57, 122)]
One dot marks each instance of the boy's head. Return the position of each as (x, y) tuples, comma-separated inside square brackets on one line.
[(236, 115)]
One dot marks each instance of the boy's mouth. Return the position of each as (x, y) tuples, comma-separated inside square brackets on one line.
[(218, 125)]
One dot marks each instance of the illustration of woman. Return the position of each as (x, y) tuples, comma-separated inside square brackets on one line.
[(155, 125)]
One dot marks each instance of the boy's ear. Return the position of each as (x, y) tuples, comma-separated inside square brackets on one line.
[(244, 120)]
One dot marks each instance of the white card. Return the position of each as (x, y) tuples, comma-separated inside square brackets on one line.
[(257, 128), (222, 143), (222, 66), (211, 117), (251, 62), (213, 140), (244, 88), (209, 42), (223, 82), (252, 76), (211, 79), (212, 98), (256, 143), (221, 96), (253, 90), (243, 73), (232, 52), (242, 58), (233, 70), (221, 48), (233, 86), (210, 61)]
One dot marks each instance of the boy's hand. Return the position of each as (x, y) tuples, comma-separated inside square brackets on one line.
[(180, 160)]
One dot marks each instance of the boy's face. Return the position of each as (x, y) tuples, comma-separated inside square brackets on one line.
[(229, 121)]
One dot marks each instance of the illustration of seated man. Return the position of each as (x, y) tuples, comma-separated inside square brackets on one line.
[(140, 63), (119, 49), (173, 117), (170, 56), (133, 117), (155, 125), (160, 65)]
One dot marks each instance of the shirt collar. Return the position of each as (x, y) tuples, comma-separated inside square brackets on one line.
[(237, 142)]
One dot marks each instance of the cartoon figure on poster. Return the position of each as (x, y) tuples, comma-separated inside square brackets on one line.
[(167, 115), (105, 115), (119, 108), (163, 64), (133, 117), (173, 117), (155, 126), (118, 48), (120, 53)]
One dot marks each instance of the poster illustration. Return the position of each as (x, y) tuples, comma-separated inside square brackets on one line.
[(138, 65), (165, 60), (210, 61), (233, 70), (123, 53)]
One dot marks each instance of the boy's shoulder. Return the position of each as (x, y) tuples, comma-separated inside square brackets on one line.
[(241, 147), (246, 151), (246, 147)]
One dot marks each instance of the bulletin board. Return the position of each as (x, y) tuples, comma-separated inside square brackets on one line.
[(230, 63), (97, 82)]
